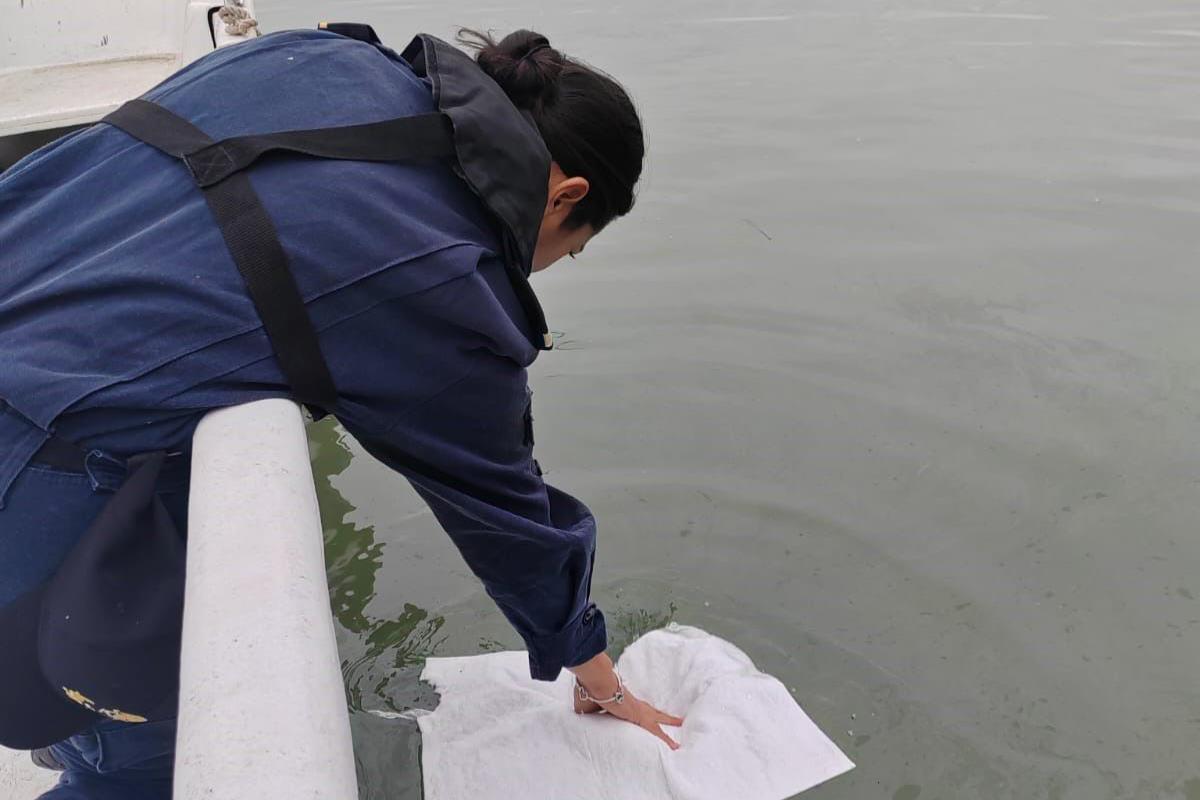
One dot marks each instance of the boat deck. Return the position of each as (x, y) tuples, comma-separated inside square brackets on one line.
[(20, 779), (37, 98)]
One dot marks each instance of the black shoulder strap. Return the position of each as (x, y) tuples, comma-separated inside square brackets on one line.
[(352, 30), (218, 169), (416, 138)]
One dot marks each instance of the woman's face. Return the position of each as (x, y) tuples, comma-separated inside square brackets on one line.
[(555, 238)]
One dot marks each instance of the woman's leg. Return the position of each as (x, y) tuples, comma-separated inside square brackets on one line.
[(117, 761)]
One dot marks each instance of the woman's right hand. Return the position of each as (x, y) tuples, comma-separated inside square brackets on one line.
[(600, 680)]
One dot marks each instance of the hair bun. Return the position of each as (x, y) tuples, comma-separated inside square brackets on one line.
[(523, 63)]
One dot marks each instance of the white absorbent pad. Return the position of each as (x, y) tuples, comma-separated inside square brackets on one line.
[(498, 735)]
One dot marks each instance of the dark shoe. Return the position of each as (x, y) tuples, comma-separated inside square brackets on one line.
[(46, 760)]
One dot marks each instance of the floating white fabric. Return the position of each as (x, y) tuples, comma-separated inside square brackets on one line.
[(497, 734)]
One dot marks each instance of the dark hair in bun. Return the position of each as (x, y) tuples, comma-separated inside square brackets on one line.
[(586, 119)]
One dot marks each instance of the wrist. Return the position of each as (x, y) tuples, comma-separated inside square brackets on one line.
[(584, 697), (597, 675)]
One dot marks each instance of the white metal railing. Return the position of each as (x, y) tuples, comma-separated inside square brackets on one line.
[(262, 708)]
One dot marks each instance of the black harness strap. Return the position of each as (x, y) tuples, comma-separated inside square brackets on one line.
[(352, 30), (158, 127), (254, 245), (218, 169), (421, 137)]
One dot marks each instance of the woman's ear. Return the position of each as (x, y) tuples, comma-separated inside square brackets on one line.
[(565, 194)]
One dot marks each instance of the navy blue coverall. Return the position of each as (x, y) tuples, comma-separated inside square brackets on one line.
[(123, 320)]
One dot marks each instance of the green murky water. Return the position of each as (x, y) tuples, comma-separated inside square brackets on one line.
[(891, 379)]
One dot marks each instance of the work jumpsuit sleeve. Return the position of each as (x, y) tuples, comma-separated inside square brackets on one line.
[(468, 451)]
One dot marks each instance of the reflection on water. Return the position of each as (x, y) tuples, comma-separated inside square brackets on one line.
[(382, 658), (382, 649), (630, 624), (374, 651)]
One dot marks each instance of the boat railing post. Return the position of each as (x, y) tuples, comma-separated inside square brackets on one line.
[(262, 708)]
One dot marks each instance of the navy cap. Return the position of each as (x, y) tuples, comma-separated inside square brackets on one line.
[(101, 637)]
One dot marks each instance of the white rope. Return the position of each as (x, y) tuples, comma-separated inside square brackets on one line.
[(237, 19)]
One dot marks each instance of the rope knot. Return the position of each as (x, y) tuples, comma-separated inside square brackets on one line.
[(237, 19)]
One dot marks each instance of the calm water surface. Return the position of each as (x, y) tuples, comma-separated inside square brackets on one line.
[(891, 379)]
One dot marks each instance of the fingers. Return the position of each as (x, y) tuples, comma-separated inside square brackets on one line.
[(639, 712), (657, 731), (667, 719)]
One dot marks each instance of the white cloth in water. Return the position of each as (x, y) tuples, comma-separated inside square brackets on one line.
[(498, 735)]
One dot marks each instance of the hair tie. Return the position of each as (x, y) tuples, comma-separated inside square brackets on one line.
[(536, 49)]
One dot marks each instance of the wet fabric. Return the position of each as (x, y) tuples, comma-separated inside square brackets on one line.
[(495, 733), (123, 319)]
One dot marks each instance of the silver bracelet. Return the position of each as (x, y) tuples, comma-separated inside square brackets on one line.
[(617, 698)]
